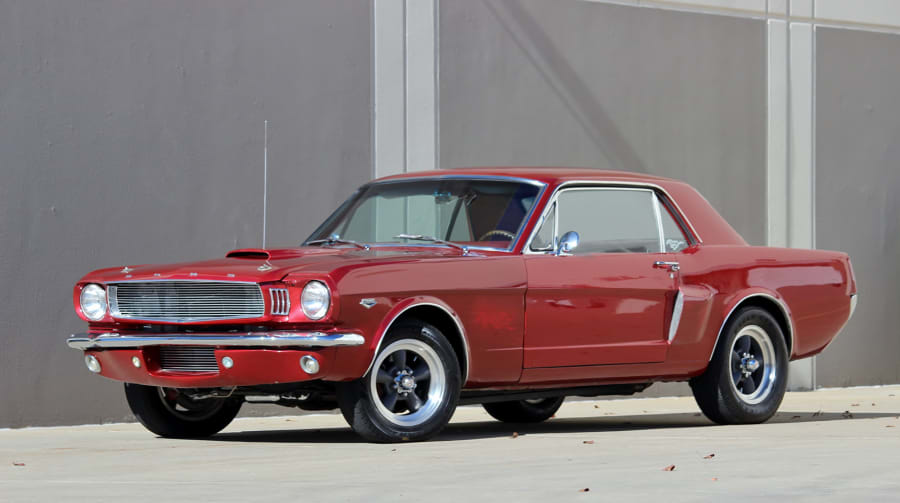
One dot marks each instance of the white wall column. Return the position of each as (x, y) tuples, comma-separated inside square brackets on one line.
[(421, 85), (388, 87), (404, 80), (790, 157)]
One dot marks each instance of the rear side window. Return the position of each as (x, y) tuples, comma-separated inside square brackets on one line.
[(610, 220), (673, 237)]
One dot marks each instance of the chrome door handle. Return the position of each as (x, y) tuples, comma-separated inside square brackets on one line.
[(672, 266)]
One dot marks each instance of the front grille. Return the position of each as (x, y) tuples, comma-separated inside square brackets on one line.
[(187, 359), (184, 301)]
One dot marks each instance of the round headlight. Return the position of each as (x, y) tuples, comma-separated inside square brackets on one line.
[(315, 300), (93, 302)]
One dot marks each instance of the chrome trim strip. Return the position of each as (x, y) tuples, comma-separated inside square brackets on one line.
[(676, 315), (853, 301), (599, 184), (459, 326), (280, 339), (787, 316)]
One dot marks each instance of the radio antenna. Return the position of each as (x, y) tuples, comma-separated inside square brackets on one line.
[(265, 177)]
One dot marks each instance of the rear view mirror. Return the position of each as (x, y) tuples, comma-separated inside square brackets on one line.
[(567, 243)]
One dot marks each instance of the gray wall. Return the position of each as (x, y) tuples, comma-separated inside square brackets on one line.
[(858, 195), (132, 132), (609, 86)]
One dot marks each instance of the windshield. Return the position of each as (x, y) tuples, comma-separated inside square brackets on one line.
[(488, 213)]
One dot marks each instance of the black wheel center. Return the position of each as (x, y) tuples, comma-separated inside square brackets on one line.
[(404, 381)]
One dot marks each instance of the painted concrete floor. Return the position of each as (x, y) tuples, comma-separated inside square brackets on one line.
[(836, 445)]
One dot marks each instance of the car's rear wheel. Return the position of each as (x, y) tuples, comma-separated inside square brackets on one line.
[(747, 377), (524, 411), (411, 391), (170, 413)]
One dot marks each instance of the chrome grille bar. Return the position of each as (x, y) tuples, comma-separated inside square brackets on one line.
[(187, 359), (281, 302), (185, 301)]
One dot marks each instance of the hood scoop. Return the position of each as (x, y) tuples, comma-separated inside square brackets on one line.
[(249, 253)]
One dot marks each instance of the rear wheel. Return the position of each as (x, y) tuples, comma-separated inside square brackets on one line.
[(171, 413), (411, 391), (524, 411), (747, 378)]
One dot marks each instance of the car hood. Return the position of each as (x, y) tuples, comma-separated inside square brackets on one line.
[(264, 265)]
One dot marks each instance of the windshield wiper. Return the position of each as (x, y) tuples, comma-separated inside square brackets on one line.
[(419, 237), (334, 239)]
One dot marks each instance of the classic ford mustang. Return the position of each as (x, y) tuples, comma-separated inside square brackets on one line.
[(512, 288)]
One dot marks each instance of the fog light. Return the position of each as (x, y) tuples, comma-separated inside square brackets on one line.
[(227, 362), (309, 364), (93, 364), (136, 362)]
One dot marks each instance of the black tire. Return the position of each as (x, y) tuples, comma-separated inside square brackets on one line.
[(524, 411), (416, 413), (729, 392), (158, 410)]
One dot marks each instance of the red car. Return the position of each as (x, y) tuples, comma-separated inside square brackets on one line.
[(512, 288)]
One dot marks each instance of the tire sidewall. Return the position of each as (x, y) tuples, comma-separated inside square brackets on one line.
[(522, 411), (357, 402), (146, 404), (739, 410)]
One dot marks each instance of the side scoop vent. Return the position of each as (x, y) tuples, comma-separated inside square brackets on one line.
[(250, 253)]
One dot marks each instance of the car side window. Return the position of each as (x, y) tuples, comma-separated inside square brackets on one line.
[(673, 237), (544, 238), (610, 220)]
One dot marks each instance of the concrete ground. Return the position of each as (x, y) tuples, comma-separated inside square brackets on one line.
[(836, 444)]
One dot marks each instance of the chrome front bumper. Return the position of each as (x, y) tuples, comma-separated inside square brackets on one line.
[(279, 339)]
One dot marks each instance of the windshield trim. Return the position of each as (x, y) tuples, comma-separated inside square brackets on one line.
[(519, 232)]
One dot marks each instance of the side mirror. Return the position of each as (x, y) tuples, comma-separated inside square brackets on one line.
[(567, 243)]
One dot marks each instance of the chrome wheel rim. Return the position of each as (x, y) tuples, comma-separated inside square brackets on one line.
[(408, 382), (185, 408), (753, 365)]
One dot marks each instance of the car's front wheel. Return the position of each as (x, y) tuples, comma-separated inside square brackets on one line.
[(411, 391), (170, 413), (524, 411), (747, 377)]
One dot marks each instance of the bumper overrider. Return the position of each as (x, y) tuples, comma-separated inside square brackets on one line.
[(241, 359)]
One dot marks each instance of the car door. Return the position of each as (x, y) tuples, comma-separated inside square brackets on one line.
[(607, 301)]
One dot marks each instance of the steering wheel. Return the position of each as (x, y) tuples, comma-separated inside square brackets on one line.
[(498, 232)]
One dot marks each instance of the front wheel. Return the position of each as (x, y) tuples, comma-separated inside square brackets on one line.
[(524, 411), (747, 377), (411, 391), (171, 413)]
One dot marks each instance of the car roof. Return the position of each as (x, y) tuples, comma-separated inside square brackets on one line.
[(545, 174)]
